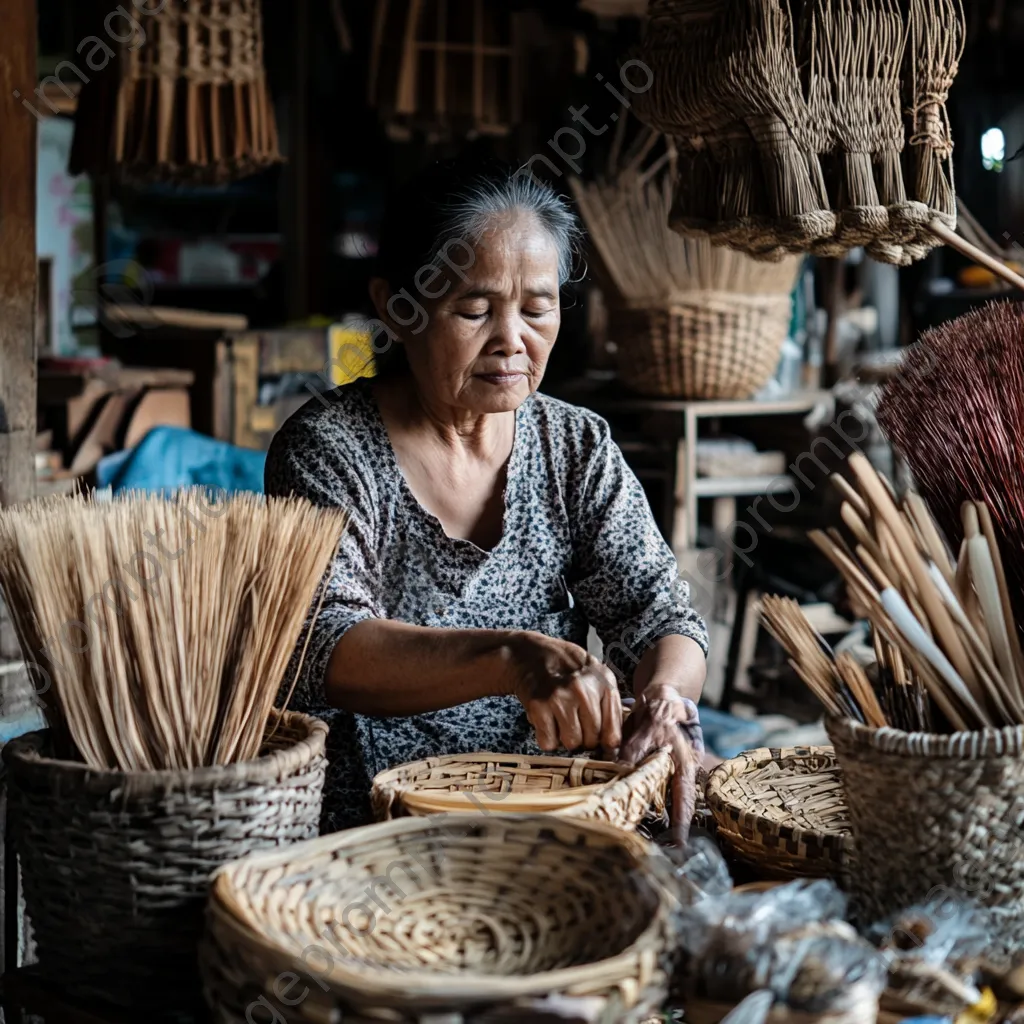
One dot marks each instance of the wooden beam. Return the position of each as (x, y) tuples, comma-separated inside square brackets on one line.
[(17, 251)]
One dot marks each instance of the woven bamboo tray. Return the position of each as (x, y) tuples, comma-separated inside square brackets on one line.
[(709, 345), (465, 915), (115, 866), (782, 810), (570, 786), (931, 812)]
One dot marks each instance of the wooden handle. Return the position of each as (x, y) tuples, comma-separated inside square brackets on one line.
[(972, 252)]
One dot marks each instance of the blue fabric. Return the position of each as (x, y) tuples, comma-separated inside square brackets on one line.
[(728, 736), (168, 458)]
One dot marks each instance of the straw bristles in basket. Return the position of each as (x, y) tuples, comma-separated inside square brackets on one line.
[(943, 628), (166, 625)]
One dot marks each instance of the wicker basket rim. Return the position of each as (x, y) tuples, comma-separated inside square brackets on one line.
[(980, 745), (23, 757), (353, 979), (704, 299), (752, 759)]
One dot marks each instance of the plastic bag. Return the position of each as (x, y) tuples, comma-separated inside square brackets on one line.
[(941, 930)]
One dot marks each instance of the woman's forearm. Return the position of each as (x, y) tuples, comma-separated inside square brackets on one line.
[(675, 661), (383, 667)]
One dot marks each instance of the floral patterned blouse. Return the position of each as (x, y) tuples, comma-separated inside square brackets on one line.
[(579, 547)]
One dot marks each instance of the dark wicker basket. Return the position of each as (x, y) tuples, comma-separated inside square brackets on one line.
[(713, 345), (115, 866)]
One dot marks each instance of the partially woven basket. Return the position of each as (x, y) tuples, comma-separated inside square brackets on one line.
[(931, 812), (575, 787), (115, 866), (781, 810), (708, 345), (471, 917)]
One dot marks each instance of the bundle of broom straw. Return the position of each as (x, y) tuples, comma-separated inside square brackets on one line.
[(165, 625), (955, 413), (945, 636)]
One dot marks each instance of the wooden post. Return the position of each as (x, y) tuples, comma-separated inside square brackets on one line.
[(17, 251), (295, 179)]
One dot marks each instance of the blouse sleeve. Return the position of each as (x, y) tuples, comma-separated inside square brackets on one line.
[(626, 577), (352, 585)]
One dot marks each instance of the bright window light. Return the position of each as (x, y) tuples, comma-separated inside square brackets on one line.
[(993, 149)]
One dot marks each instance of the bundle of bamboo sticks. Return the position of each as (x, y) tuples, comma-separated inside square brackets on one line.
[(948, 650), (163, 627)]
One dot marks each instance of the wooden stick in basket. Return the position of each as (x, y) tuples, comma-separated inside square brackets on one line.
[(878, 497), (972, 252)]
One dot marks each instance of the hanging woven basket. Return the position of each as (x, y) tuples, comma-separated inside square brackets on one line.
[(458, 917), (115, 866), (575, 787), (935, 812), (706, 345), (189, 102)]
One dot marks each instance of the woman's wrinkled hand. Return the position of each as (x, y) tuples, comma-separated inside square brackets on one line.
[(571, 699), (662, 717)]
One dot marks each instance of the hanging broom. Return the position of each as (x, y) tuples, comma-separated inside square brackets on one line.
[(189, 101), (165, 625)]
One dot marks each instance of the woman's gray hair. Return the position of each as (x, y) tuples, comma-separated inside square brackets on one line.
[(472, 212)]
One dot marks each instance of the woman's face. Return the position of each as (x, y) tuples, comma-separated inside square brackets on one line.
[(483, 346)]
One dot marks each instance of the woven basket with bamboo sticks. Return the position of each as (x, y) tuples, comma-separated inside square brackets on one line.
[(781, 810), (689, 319), (470, 918), (115, 866), (575, 787), (190, 102), (167, 626)]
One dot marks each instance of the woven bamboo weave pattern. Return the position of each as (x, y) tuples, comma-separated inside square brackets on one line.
[(935, 810), (703, 346), (575, 787), (469, 914), (782, 810), (115, 866)]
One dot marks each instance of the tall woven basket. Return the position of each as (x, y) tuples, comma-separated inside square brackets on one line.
[(115, 866), (706, 345), (932, 813)]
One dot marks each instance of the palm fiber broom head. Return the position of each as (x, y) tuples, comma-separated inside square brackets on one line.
[(163, 626), (955, 413)]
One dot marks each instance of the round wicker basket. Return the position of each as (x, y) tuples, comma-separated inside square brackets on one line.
[(461, 918), (570, 786), (710, 345), (931, 813), (781, 810), (115, 867)]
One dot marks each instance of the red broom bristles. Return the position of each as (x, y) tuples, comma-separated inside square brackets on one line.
[(955, 413)]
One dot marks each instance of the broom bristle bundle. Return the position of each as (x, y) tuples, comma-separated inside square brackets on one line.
[(166, 626), (955, 413)]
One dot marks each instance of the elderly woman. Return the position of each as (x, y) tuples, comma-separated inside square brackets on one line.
[(489, 524)]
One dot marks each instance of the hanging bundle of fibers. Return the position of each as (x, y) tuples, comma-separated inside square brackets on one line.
[(936, 42), (719, 188), (188, 103), (867, 39), (770, 97), (165, 625), (955, 413)]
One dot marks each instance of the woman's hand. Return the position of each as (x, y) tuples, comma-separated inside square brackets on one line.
[(571, 699), (662, 717)]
